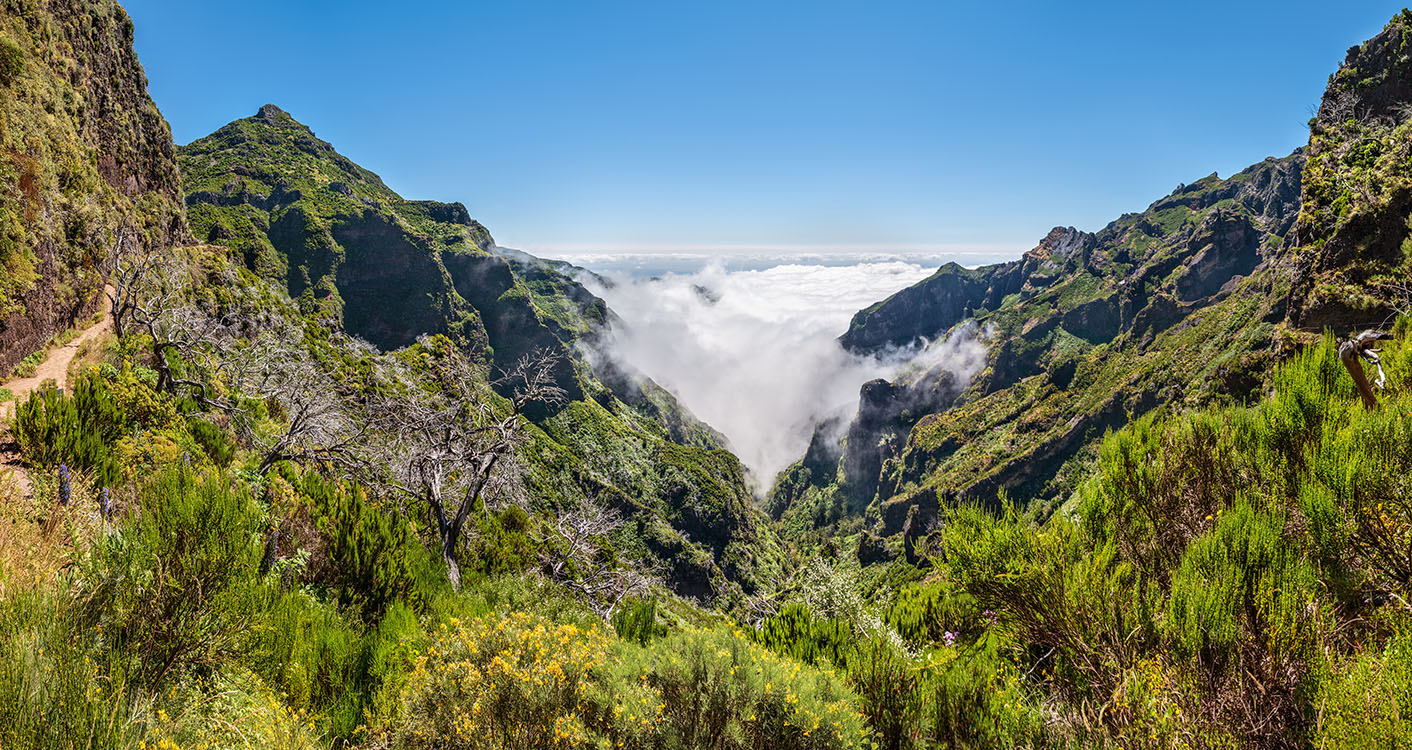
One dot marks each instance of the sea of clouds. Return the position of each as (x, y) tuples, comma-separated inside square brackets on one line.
[(753, 352)]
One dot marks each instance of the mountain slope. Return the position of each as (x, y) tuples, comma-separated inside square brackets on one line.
[(357, 256), (1173, 305)]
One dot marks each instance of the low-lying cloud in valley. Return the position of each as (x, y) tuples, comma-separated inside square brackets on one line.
[(754, 353)]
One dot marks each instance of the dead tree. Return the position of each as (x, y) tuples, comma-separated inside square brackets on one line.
[(446, 447), (128, 265), (319, 424), (570, 556), (255, 353), (1361, 346), (152, 295)]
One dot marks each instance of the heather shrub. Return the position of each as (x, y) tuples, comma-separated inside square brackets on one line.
[(975, 697), (216, 443), (175, 590), (795, 631), (75, 429), (1365, 702), (713, 688), (325, 666), (51, 691), (372, 557), (12, 61), (636, 621), (232, 709)]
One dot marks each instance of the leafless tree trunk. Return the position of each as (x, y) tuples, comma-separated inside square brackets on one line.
[(570, 557), (446, 448), (1360, 346)]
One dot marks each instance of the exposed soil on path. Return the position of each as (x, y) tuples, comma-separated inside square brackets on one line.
[(55, 367)]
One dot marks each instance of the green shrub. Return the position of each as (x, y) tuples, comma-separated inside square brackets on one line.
[(887, 683), (1366, 701), (77, 430), (516, 681), (176, 591), (636, 621), (51, 694), (233, 709), (27, 366), (12, 61), (978, 700), (373, 555), (798, 633), (711, 688), (216, 443), (503, 545)]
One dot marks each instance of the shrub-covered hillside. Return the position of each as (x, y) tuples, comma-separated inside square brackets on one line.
[(358, 258), (1228, 577)]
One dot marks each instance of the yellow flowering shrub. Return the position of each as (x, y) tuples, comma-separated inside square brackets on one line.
[(517, 681), (712, 688), (235, 710)]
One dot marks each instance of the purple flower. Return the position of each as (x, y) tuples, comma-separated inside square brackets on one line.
[(65, 489), (989, 616), (950, 638), (105, 505)]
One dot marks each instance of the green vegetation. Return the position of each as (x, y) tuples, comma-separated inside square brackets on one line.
[(55, 202), (233, 532)]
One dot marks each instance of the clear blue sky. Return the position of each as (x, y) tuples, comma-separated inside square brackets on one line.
[(570, 126)]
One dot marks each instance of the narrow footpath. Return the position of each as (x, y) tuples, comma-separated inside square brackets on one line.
[(55, 367)]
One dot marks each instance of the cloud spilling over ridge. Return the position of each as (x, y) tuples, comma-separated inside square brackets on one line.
[(753, 353)]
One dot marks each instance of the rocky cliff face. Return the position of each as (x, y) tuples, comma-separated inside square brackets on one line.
[(1355, 248), (1176, 304), (84, 154)]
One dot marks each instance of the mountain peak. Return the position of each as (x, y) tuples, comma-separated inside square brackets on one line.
[(271, 113)]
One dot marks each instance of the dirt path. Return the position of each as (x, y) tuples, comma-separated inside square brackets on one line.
[(55, 367)]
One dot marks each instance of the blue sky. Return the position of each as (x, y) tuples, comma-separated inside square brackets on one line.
[(673, 126)]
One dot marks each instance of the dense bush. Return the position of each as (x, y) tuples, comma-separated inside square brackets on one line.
[(76, 430), (517, 681), (175, 592), (520, 680), (373, 559), (12, 61), (636, 621)]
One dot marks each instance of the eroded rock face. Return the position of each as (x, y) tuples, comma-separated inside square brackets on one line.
[(96, 155)]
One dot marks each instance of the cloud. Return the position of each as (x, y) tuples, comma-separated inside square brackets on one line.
[(753, 353)]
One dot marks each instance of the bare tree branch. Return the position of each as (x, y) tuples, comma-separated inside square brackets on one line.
[(446, 448)]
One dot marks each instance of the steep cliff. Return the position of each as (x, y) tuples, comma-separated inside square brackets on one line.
[(84, 155), (1355, 224), (1177, 304)]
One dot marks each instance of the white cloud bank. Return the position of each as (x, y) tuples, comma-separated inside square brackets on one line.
[(754, 354)]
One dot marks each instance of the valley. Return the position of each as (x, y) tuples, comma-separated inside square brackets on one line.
[(292, 460)]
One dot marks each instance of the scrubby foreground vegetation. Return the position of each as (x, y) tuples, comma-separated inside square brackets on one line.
[(1229, 577), (236, 523)]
